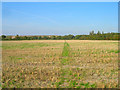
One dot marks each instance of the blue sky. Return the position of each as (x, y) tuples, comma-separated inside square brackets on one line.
[(58, 18)]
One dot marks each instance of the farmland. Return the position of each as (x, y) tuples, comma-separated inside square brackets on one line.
[(60, 64)]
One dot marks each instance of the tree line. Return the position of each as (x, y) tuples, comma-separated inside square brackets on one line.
[(91, 36)]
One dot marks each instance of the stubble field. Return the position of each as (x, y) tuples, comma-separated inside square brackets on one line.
[(60, 64)]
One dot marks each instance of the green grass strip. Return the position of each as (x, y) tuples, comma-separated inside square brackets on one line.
[(65, 52)]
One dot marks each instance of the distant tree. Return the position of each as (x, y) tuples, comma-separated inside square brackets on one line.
[(17, 37), (34, 37), (25, 38), (92, 36), (45, 37), (65, 37), (39, 37), (70, 36), (78, 36), (59, 37), (3, 36), (29, 38), (91, 33), (98, 33), (53, 37)]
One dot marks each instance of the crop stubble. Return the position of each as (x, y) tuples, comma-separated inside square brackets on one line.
[(56, 63)]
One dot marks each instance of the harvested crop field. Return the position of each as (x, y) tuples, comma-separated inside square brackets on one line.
[(60, 64)]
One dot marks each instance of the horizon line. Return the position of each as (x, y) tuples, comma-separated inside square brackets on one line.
[(51, 34)]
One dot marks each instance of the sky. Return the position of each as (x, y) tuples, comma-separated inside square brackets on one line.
[(60, 0), (58, 18)]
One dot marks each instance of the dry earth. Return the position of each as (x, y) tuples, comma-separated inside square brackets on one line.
[(60, 63)]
